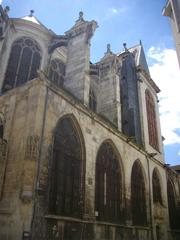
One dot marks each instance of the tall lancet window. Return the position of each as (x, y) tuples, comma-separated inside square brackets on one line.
[(151, 117), (24, 61), (108, 188), (173, 212), (67, 176), (138, 195), (57, 72), (92, 100), (157, 196)]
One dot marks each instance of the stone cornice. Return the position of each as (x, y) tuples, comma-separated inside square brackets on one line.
[(148, 78)]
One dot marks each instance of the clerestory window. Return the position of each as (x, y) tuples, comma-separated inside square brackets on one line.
[(24, 61)]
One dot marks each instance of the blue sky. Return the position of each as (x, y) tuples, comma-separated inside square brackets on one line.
[(123, 21)]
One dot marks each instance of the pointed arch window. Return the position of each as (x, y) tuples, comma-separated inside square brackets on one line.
[(57, 72), (173, 211), (92, 101), (138, 196), (151, 117), (67, 177), (24, 61), (108, 188), (157, 196)]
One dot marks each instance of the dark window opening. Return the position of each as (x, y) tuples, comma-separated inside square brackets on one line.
[(23, 63), (108, 188), (157, 197), (151, 117), (173, 211), (138, 196), (57, 72), (92, 101), (67, 177)]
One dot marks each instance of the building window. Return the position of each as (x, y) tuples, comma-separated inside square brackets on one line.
[(151, 117), (23, 63), (57, 72), (138, 195), (157, 197), (92, 101), (67, 176), (173, 211), (108, 188)]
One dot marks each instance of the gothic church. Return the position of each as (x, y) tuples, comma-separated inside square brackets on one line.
[(81, 153)]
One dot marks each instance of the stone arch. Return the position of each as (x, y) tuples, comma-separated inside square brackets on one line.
[(157, 186), (23, 63), (109, 185), (67, 187), (138, 194)]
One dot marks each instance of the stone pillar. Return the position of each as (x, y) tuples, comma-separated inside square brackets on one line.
[(109, 92), (77, 80)]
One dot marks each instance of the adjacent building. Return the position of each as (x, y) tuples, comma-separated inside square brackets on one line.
[(172, 10), (81, 152)]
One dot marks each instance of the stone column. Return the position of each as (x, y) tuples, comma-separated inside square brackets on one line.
[(77, 80)]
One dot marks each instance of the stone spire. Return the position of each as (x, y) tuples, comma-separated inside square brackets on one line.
[(31, 13)]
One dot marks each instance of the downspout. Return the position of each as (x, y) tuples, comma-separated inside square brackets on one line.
[(150, 200), (39, 156)]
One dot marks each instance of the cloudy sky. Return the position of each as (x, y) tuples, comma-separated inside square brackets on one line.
[(123, 21)]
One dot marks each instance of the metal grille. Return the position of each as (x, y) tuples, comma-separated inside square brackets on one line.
[(151, 116), (157, 197), (23, 64), (108, 185), (138, 196), (57, 72), (66, 195)]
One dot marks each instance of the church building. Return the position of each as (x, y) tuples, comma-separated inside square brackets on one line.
[(81, 151)]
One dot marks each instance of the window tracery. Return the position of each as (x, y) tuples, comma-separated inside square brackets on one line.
[(108, 188), (23, 63), (151, 117), (57, 72), (138, 195), (66, 194)]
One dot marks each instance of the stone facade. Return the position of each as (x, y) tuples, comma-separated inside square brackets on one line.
[(116, 115)]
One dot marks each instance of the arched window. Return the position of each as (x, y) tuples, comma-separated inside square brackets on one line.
[(151, 117), (138, 195), (92, 100), (157, 197), (108, 188), (23, 64), (67, 177), (57, 72), (173, 213)]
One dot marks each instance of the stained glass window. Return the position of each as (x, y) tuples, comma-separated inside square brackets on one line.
[(151, 117), (67, 178), (108, 187), (23, 63), (138, 195), (57, 72)]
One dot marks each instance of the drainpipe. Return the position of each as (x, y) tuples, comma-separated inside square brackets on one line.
[(150, 199), (39, 156)]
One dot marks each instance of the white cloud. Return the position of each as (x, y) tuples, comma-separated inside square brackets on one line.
[(111, 12), (179, 153), (166, 73), (0, 1)]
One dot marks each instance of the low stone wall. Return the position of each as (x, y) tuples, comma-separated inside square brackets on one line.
[(75, 229)]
